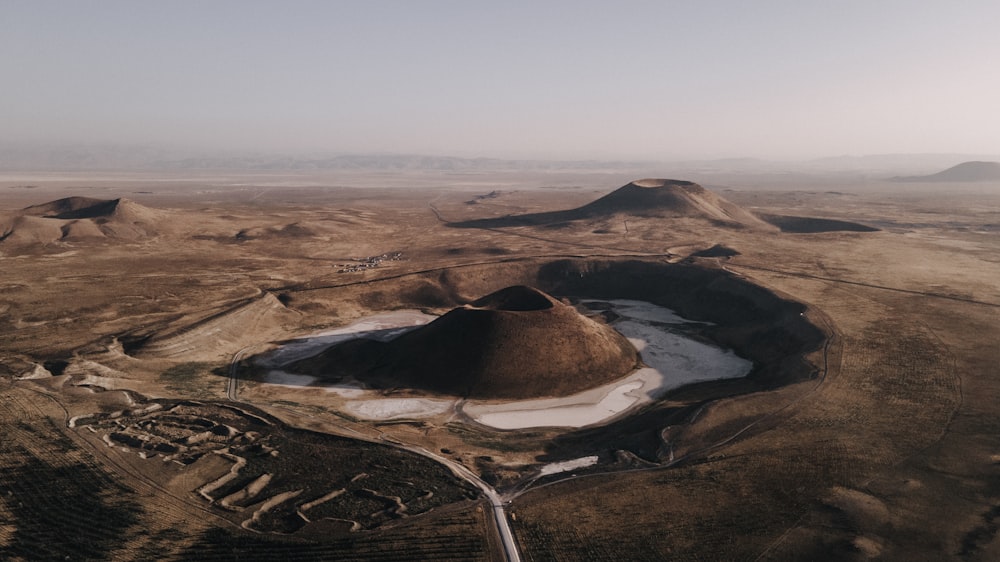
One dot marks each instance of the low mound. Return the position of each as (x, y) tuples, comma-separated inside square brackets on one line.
[(716, 251), (964, 172), (77, 219), (293, 230), (72, 208), (22, 230), (515, 343), (645, 198), (811, 225)]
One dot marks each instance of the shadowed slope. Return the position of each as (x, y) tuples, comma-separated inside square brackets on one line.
[(645, 198), (812, 225), (515, 343), (293, 230), (74, 208), (716, 251)]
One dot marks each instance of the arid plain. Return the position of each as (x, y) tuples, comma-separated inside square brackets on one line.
[(143, 416)]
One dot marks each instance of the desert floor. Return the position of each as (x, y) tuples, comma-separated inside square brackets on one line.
[(124, 435)]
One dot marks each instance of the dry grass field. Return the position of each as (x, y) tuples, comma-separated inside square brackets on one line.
[(867, 429)]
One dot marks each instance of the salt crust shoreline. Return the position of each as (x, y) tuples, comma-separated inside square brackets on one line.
[(672, 360)]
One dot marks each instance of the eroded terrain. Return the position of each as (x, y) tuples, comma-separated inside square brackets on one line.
[(867, 427)]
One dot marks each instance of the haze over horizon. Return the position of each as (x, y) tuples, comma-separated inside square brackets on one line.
[(563, 80)]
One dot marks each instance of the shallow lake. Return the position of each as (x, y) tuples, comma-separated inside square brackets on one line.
[(673, 360)]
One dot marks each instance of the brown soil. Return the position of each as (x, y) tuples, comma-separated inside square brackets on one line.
[(882, 444)]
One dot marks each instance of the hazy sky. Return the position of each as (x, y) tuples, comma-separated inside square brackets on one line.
[(564, 79)]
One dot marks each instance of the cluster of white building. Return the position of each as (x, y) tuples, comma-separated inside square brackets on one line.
[(361, 264)]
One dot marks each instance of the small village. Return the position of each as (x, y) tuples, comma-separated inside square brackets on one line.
[(370, 262)]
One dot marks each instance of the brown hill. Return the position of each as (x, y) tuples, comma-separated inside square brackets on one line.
[(79, 218), (515, 343), (20, 230), (293, 230), (964, 172), (666, 198), (216, 335), (716, 251), (71, 208), (645, 198)]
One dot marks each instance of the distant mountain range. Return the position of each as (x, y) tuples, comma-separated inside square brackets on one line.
[(84, 157), (392, 163), (964, 172), (151, 158)]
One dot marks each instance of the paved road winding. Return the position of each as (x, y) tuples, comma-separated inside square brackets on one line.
[(234, 374), (460, 470)]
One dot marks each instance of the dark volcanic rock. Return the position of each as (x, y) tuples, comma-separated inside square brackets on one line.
[(716, 251), (74, 208), (812, 225)]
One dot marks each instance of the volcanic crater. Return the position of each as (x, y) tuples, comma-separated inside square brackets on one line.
[(73, 219), (651, 197), (515, 343), (654, 198)]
